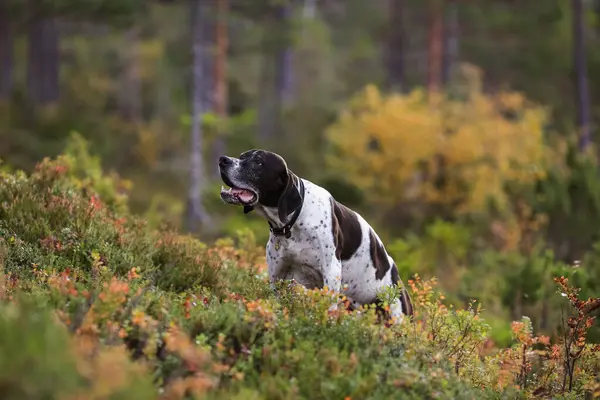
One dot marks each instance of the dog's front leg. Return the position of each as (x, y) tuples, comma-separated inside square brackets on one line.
[(332, 279), (277, 272), (277, 265)]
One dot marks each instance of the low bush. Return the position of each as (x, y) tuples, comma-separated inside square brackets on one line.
[(97, 305)]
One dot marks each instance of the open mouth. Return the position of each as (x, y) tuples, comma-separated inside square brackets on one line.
[(238, 195)]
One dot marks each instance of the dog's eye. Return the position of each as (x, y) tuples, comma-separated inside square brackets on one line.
[(259, 163)]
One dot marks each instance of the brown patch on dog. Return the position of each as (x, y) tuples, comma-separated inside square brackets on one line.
[(404, 298), (346, 230), (378, 256), (407, 307), (395, 275)]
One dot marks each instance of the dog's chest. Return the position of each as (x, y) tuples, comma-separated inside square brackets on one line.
[(311, 240), (297, 258), (299, 249), (311, 243)]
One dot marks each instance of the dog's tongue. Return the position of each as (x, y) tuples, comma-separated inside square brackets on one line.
[(243, 194)]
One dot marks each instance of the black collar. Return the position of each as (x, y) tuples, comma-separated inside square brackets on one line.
[(286, 230)]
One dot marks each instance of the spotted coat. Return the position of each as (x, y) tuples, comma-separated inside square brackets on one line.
[(329, 244)]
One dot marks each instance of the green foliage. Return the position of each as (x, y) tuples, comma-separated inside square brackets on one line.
[(482, 195), (34, 363), (165, 210), (116, 12), (563, 195), (85, 170), (102, 305), (40, 360), (455, 154), (4, 167), (440, 251)]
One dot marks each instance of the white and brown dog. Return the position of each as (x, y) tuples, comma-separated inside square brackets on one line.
[(314, 240)]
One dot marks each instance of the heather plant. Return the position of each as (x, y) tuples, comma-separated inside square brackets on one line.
[(575, 330), (41, 360), (106, 307), (565, 369)]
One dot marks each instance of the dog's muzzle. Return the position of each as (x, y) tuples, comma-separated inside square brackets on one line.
[(235, 194)]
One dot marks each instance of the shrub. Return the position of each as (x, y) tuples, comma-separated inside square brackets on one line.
[(459, 154), (40, 360), (95, 304)]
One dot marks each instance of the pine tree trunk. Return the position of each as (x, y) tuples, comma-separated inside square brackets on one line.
[(451, 42), (285, 56), (581, 81), (518, 305), (130, 88), (396, 47), (221, 58), (220, 75), (309, 11), (276, 75), (266, 106), (268, 110), (435, 46), (6, 53), (197, 215), (43, 60), (209, 64)]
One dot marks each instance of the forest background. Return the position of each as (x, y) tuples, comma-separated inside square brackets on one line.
[(464, 131)]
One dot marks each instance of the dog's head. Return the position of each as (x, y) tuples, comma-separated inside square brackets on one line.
[(259, 177)]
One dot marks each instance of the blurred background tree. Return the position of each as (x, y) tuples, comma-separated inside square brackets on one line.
[(465, 131)]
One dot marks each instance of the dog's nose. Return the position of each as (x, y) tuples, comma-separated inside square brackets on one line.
[(224, 160)]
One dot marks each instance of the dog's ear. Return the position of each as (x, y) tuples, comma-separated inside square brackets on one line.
[(248, 209), (288, 196)]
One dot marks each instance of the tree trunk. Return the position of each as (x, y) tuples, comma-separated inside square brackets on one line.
[(285, 56), (581, 83), (130, 88), (221, 58), (269, 106), (396, 44), (276, 75), (6, 53), (451, 42), (267, 109), (220, 76), (309, 10), (209, 54), (518, 306), (309, 13), (544, 315), (43, 59), (197, 215), (435, 46)]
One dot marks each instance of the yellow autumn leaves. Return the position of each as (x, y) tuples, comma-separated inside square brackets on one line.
[(454, 151)]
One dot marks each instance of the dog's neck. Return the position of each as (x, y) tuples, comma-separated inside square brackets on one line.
[(271, 214)]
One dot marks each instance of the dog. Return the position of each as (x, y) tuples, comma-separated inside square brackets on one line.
[(314, 240)]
